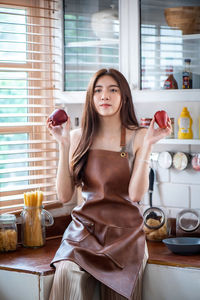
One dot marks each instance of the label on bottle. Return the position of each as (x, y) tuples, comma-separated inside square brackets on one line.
[(168, 84), (186, 80), (184, 125)]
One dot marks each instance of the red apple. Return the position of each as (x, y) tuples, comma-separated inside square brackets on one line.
[(58, 117), (161, 118)]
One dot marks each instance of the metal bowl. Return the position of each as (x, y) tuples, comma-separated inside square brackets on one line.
[(183, 245)]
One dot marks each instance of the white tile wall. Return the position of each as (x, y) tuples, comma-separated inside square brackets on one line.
[(172, 195), (188, 176), (177, 189), (195, 196)]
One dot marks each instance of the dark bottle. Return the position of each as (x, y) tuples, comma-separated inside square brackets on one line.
[(170, 82), (187, 75)]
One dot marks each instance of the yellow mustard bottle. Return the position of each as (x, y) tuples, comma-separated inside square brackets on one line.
[(185, 125)]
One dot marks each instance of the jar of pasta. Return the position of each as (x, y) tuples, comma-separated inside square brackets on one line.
[(8, 232), (34, 221)]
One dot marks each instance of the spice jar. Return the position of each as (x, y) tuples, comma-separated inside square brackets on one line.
[(34, 221), (155, 224), (165, 159), (181, 160), (8, 232), (195, 162), (145, 122), (172, 135)]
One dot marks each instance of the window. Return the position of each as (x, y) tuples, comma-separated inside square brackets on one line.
[(29, 75), (91, 40)]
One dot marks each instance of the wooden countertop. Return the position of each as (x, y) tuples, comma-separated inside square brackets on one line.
[(37, 261), (28, 260), (159, 254)]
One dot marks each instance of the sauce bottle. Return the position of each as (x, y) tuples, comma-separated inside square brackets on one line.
[(187, 75), (185, 125), (170, 82)]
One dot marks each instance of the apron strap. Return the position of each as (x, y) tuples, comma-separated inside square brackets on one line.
[(123, 137)]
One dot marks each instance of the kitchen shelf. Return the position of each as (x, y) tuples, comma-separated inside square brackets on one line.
[(191, 37), (179, 142), (94, 43), (166, 96)]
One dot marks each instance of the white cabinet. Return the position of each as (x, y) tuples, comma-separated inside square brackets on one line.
[(131, 63), (133, 52), (24, 286), (171, 283)]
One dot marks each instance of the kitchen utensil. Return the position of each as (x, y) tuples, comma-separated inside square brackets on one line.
[(153, 212), (183, 245), (151, 185)]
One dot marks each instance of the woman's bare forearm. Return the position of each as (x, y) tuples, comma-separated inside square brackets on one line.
[(64, 183), (140, 178)]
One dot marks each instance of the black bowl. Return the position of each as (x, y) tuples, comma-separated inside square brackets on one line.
[(183, 245)]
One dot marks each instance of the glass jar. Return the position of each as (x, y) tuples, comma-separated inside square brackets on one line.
[(188, 223), (8, 233), (155, 224), (145, 122), (34, 221), (172, 135)]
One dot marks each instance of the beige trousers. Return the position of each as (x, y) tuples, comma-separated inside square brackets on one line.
[(72, 283)]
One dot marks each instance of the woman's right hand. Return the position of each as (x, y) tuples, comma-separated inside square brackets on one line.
[(153, 135), (61, 133)]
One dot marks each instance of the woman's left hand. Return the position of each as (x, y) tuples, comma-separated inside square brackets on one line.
[(153, 135)]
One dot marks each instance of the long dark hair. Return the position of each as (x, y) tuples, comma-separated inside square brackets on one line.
[(90, 119)]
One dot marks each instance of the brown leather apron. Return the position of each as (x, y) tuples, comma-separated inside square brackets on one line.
[(105, 236)]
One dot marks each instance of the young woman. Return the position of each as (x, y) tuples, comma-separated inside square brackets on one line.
[(109, 159)]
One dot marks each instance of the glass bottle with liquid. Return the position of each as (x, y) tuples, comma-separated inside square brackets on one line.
[(170, 82), (187, 75)]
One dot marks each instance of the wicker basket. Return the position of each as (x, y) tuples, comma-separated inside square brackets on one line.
[(185, 18)]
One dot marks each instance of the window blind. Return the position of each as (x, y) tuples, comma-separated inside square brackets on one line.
[(29, 78)]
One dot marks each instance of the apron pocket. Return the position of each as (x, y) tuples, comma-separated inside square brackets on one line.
[(117, 241), (117, 234), (75, 232)]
